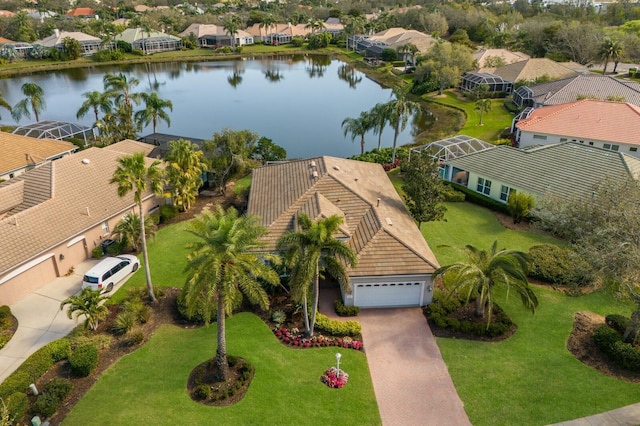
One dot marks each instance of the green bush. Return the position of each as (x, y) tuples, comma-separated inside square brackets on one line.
[(278, 317), (5, 313), (338, 328), (38, 363), (199, 315), (297, 41), (480, 199), (138, 52), (452, 196), (134, 338), (97, 253), (46, 405), (167, 212), (202, 391), (107, 55), (618, 322), (124, 322), (58, 387), (345, 311), (625, 355), (17, 404), (60, 349), (559, 266), (83, 360), (519, 206), (381, 156), (18, 381)]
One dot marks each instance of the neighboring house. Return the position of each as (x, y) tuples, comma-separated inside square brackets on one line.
[(392, 38), (149, 41), (59, 130), (395, 264), (6, 14), (81, 12), (278, 33), (41, 16), (564, 170), (21, 153), (53, 216), (160, 141), (88, 43), (613, 126), (531, 70), (581, 86), (216, 36), (484, 56), (495, 84), (22, 49)]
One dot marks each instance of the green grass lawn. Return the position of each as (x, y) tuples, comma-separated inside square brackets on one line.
[(494, 121), (149, 385)]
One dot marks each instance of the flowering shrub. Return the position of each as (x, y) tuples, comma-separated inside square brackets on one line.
[(390, 166), (334, 378), (294, 338)]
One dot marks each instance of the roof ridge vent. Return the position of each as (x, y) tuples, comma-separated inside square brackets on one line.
[(314, 174), (86, 161)]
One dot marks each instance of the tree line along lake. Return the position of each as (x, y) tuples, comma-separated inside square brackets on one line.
[(298, 101)]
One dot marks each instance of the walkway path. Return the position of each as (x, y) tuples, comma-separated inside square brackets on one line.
[(625, 416)]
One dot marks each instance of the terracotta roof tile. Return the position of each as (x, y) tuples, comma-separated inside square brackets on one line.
[(21, 151)]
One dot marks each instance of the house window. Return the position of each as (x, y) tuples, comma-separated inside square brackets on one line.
[(633, 149), (590, 143), (563, 139), (105, 227), (484, 186), (505, 191), (541, 137), (611, 147), (607, 146)]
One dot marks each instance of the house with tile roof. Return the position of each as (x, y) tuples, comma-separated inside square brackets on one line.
[(81, 12), (530, 70), (278, 33), (566, 170), (53, 216), (88, 43), (21, 153), (395, 263), (22, 49), (484, 56), (149, 41), (391, 38), (571, 89), (214, 36), (613, 126)]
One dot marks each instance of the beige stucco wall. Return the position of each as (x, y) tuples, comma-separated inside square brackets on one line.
[(527, 139)]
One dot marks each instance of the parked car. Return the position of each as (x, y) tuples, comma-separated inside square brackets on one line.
[(109, 272)]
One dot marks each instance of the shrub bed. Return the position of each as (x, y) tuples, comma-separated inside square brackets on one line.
[(481, 200), (345, 311), (338, 328), (293, 337), (625, 355), (83, 360), (440, 311), (559, 266)]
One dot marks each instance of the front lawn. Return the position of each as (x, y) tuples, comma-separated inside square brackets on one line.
[(493, 122), (149, 385)]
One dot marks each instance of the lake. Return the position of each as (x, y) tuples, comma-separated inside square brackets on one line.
[(297, 101)]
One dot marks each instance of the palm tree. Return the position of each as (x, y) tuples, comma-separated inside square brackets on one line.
[(231, 27), (4, 103), (354, 25), (400, 109), (379, 115), (411, 49), (484, 271), (96, 101), (33, 101), (483, 105), (133, 174), (153, 111), (119, 87), (610, 49), (222, 267), (184, 166), (314, 25), (88, 304), (309, 252), (357, 127), (127, 230), (267, 22)]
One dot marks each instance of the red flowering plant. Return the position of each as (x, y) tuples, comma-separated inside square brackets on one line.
[(335, 378), (293, 337)]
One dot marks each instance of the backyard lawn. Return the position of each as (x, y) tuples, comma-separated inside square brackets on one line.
[(149, 385), (494, 121)]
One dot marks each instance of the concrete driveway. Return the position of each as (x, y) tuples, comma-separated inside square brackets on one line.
[(40, 319)]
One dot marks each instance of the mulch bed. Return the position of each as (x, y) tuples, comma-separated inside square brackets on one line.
[(467, 313), (222, 393)]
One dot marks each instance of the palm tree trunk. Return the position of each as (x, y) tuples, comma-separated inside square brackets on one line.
[(362, 145), (480, 306), (396, 130), (222, 366), (316, 298), (305, 306), (145, 255), (379, 139), (604, 71)]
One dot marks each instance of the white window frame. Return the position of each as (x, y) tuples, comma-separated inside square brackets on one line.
[(505, 192), (483, 186)]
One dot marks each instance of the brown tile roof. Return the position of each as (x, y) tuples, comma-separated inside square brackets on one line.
[(61, 199), (81, 11), (54, 40), (129, 147), (532, 69), (21, 151), (6, 14), (377, 224), (507, 56), (587, 119)]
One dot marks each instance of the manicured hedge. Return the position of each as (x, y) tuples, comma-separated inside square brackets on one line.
[(17, 404), (83, 360), (559, 266), (54, 393), (618, 322), (345, 311), (609, 341), (480, 199), (338, 328)]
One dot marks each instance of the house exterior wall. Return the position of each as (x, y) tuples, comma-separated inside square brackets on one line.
[(427, 294), (58, 260), (495, 191), (526, 138)]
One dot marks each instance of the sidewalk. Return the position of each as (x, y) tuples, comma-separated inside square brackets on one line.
[(40, 319), (625, 416)]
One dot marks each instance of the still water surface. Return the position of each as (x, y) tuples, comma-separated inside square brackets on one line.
[(297, 101)]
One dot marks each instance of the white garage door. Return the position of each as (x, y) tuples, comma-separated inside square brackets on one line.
[(387, 294)]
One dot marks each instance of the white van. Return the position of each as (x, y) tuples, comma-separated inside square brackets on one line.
[(110, 271)]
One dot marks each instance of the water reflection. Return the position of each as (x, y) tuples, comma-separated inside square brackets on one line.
[(348, 73), (236, 77), (317, 65)]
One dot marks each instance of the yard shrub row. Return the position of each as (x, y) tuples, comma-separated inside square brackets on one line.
[(559, 266), (452, 196), (17, 404), (481, 200), (83, 360), (443, 305), (6, 320), (345, 311), (609, 341), (618, 322), (338, 328), (54, 393)]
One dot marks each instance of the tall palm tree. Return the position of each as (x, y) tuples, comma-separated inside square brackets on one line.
[(222, 267), (4, 104), (127, 230), (133, 174), (185, 163), (88, 304), (610, 49), (400, 109), (96, 101), (153, 111), (354, 25), (357, 127), (120, 88), (484, 271), (267, 22), (314, 25), (311, 251), (231, 27), (33, 101), (483, 105), (379, 115), (410, 49)]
